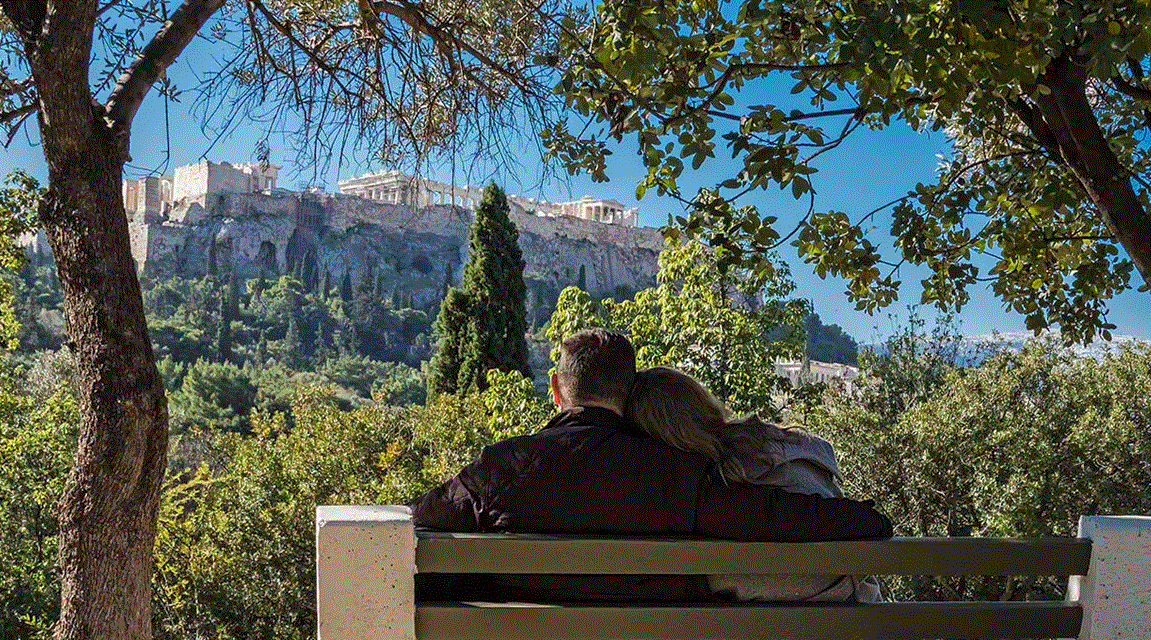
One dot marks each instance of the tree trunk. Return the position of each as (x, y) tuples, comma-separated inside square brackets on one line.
[(1084, 148), (108, 509)]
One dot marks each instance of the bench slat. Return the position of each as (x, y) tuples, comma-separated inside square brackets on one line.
[(890, 621), (440, 552)]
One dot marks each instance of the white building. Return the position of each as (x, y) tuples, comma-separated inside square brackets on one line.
[(399, 188), (812, 372)]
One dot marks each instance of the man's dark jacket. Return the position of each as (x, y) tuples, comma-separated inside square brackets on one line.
[(590, 471)]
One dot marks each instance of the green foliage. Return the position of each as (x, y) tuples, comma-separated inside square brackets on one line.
[(1049, 106), (398, 383), (38, 424), (1021, 445), (908, 367), (213, 394), (19, 200), (725, 328), (482, 325), (234, 550)]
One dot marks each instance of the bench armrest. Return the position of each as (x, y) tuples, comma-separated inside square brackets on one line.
[(365, 573)]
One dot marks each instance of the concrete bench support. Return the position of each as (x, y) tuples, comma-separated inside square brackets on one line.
[(365, 568), (1116, 592)]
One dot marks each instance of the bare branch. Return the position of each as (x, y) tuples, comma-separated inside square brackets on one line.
[(19, 112), (111, 3), (157, 55), (445, 40), (19, 87), (21, 115)]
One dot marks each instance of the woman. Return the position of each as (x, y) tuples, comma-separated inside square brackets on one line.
[(675, 408)]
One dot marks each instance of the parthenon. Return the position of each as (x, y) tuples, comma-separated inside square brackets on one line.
[(399, 188)]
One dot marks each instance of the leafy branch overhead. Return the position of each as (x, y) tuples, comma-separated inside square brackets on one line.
[(1047, 106)]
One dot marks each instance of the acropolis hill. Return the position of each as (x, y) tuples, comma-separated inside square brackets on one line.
[(410, 231)]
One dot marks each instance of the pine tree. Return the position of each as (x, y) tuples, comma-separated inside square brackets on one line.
[(482, 324), (260, 286), (326, 289)]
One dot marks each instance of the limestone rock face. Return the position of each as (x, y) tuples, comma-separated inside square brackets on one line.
[(415, 252)]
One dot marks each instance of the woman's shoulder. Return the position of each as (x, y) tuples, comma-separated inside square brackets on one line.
[(803, 446)]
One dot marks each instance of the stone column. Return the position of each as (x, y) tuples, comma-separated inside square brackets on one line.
[(365, 573), (1116, 592)]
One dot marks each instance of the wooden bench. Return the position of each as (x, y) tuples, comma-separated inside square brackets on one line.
[(367, 557)]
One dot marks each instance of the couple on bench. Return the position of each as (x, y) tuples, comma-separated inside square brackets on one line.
[(650, 453)]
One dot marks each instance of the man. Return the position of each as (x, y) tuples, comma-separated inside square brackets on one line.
[(590, 471)]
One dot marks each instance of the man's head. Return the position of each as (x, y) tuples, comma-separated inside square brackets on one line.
[(596, 368)]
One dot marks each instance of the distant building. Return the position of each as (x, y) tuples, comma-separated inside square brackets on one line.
[(150, 199), (394, 187), (805, 371)]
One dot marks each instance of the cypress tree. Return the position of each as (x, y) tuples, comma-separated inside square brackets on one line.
[(228, 301), (481, 325), (212, 269), (293, 347), (320, 346), (346, 287), (262, 348)]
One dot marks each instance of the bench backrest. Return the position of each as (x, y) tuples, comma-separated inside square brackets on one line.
[(364, 591)]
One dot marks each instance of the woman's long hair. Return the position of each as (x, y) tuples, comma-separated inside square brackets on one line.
[(675, 408)]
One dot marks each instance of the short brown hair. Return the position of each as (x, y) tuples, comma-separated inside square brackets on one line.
[(596, 365)]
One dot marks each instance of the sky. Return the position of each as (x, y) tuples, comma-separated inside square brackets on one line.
[(868, 170)]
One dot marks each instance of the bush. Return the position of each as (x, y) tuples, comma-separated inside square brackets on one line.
[(1020, 446), (234, 550)]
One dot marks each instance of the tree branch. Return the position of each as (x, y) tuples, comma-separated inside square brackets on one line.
[(444, 40), (157, 55), (853, 111), (1033, 119), (1054, 239), (19, 112), (21, 115), (27, 16), (1129, 89)]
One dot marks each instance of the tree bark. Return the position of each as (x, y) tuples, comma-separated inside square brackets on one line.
[(1084, 148), (108, 509)]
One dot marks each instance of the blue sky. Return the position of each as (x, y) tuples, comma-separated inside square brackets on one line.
[(868, 170)]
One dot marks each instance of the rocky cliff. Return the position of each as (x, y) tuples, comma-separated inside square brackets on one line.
[(415, 252)]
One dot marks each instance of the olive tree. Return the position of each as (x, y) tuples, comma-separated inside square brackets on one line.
[(402, 79)]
